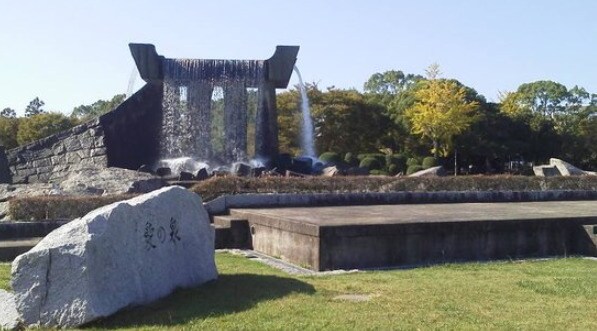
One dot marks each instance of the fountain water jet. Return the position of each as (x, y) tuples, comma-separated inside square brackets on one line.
[(307, 135)]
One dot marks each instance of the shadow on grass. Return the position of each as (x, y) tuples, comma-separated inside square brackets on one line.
[(229, 294)]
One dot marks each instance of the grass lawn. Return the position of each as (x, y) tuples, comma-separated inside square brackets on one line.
[(552, 294)]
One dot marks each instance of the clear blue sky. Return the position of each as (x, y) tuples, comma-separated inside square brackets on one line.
[(75, 52)]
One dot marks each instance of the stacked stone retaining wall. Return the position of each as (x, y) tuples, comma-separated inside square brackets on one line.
[(126, 137)]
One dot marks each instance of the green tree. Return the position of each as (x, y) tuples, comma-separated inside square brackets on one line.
[(440, 112), (543, 97), (34, 107), (9, 127), (41, 125), (98, 108), (344, 121)]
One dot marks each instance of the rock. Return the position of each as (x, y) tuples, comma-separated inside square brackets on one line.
[(357, 171), (303, 165), (546, 171), (431, 172), (202, 174), (257, 172), (9, 317), (128, 253), (163, 172), (5, 175), (110, 181), (559, 167), (241, 169), (145, 168), (185, 176), (330, 172), (567, 169)]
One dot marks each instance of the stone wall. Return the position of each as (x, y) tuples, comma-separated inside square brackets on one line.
[(53, 157), (126, 137)]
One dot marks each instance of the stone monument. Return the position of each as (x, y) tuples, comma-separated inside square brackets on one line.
[(128, 253)]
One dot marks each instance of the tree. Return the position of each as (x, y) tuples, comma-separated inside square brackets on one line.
[(8, 112), (98, 108), (9, 127), (440, 112), (344, 121), (543, 97), (390, 82), (41, 125), (34, 107)]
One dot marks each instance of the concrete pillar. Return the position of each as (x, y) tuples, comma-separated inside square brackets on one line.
[(266, 130), (199, 98), (235, 121)]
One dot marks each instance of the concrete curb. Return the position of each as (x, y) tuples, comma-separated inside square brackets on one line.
[(223, 203)]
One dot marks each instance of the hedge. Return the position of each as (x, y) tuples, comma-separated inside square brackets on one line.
[(59, 207), (217, 186)]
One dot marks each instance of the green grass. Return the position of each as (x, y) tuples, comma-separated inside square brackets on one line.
[(551, 294), (4, 276)]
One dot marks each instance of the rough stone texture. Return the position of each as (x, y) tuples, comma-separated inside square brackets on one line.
[(110, 181), (546, 171), (54, 156), (330, 172), (9, 318), (567, 169), (125, 137), (128, 253), (435, 171), (5, 175)]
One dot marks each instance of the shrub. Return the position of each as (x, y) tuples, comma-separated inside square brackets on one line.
[(59, 207), (429, 162), (370, 163), (376, 172), (413, 168), (351, 160), (398, 160), (393, 170), (412, 161), (381, 158), (330, 157)]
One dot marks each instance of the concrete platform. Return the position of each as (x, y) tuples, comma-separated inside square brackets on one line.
[(327, 238)]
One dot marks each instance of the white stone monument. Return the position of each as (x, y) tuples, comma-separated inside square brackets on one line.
[(128, 253)]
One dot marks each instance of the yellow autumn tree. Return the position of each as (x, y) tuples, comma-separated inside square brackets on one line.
[(440, 112)]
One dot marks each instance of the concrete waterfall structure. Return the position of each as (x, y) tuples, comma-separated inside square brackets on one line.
[(168, 117)]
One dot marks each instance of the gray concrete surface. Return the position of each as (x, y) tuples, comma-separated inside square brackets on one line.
[(379, 236)]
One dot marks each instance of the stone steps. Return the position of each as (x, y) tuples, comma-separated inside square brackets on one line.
[(231, 232)]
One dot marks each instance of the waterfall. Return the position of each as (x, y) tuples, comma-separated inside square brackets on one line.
[(307, 136), (189, 111)]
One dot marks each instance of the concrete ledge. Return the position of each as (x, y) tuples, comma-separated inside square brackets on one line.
[(15, 230), (223, 203)]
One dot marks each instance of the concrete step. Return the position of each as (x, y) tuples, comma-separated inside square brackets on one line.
[(222, 236), (238, 235), (10, 249), (14, 230)]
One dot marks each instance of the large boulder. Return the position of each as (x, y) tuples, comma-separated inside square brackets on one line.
[(567, 169), (127, 253), (9, 318), (559, 167), (5, 174), (110, 181), (431, 172)]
